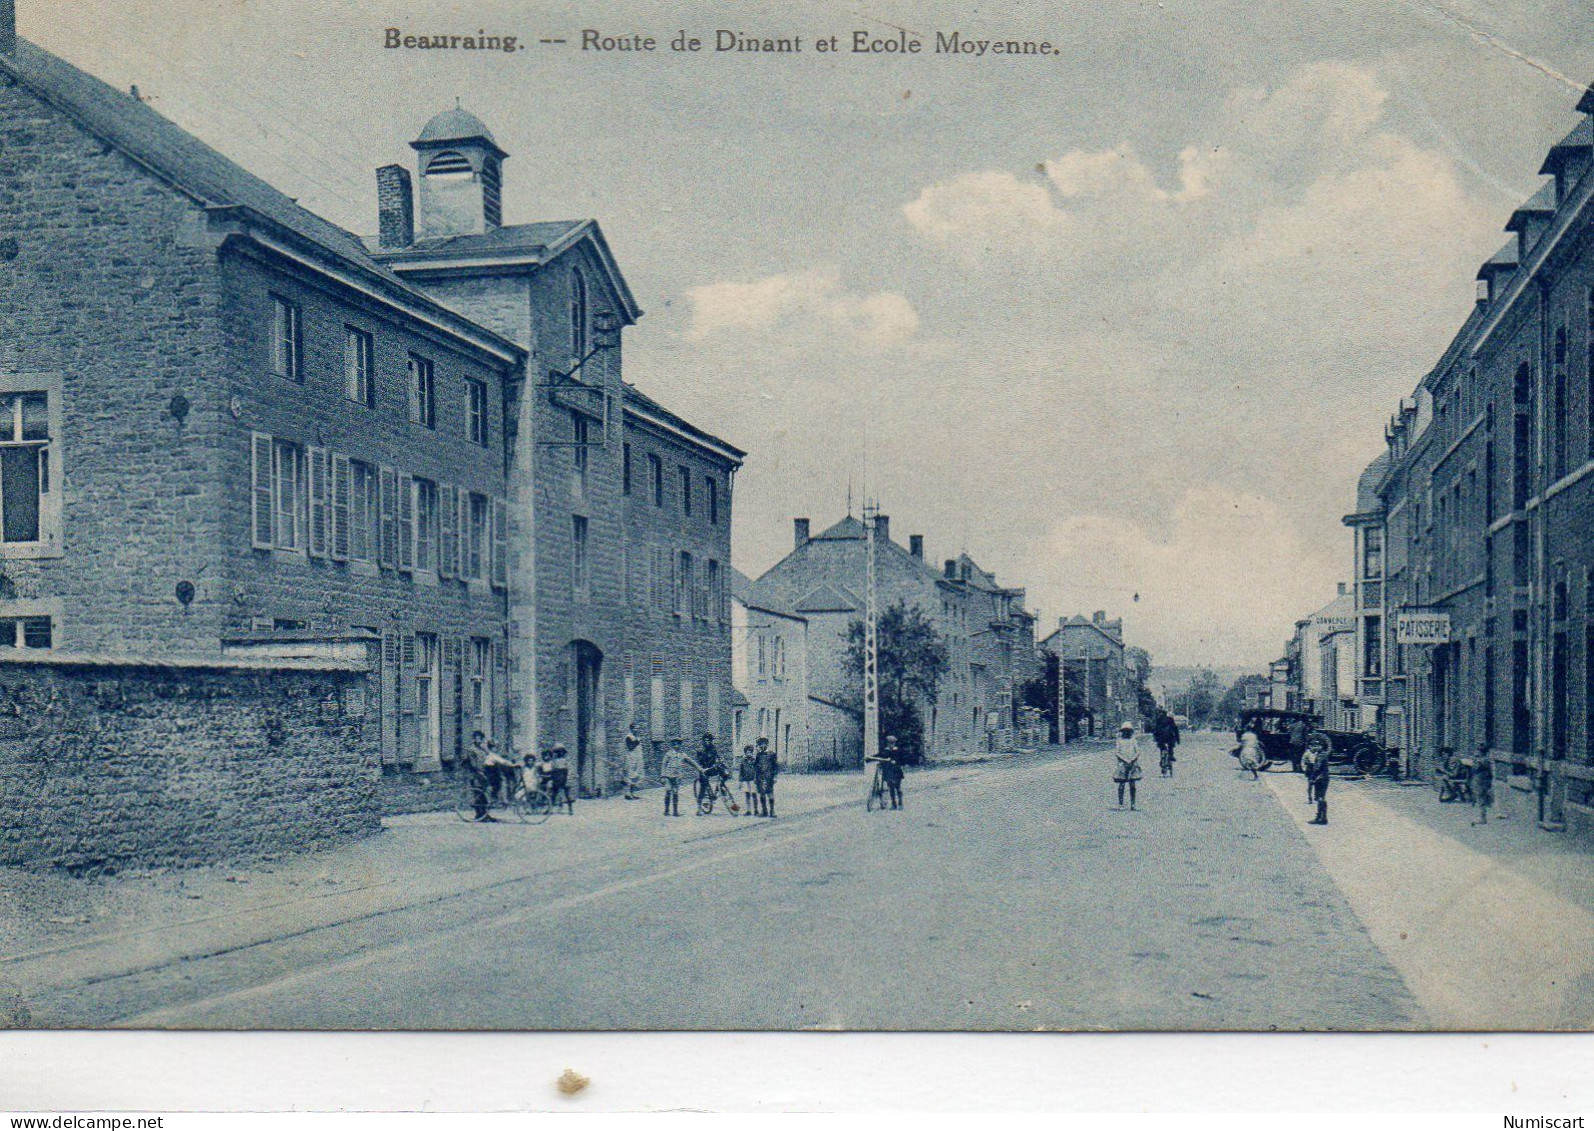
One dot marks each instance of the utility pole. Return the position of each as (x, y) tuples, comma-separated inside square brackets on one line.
[(871, 639)]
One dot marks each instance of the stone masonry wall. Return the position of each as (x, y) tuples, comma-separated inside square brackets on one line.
[(132, 763)]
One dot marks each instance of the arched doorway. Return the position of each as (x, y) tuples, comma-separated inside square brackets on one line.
[(585, 668)]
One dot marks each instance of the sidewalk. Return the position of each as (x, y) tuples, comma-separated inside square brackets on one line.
[(1490, 927), (56, 930)]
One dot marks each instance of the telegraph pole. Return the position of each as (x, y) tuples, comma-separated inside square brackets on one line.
[(871, 639)]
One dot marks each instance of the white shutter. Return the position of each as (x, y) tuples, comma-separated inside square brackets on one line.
[(342, 505), (262, 502), (448, 526), (387, 548), (500, 543), (406, 522), (317, 460)]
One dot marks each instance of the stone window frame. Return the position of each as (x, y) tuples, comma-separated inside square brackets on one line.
[(51, 543), (287, 338), (477, 430), (359, 365), (422, 395), (52, 609)]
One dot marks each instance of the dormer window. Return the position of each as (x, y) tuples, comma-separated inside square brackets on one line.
[(1484, 290)]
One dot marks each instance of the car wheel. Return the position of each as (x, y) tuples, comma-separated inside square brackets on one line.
[(1370, 759)]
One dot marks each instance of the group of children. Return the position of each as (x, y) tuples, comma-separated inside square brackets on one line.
[(493, 775)]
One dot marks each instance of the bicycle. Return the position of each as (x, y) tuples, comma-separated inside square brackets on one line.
[(878, 797), (1166, 760), (530, 806), (718, 790)]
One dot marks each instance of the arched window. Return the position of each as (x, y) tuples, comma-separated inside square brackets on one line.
[(578, 314), (449, 163)]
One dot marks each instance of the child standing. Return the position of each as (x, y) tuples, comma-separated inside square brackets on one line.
[(1483, 784), (671, 772), (1127, 772), (747, 774)]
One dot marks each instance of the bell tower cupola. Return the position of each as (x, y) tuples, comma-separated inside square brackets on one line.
[(460, 168)]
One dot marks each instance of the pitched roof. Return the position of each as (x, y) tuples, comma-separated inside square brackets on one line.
[(197, 170), (533, 239), (829, 598), (1506, 259), (848, 529), (636, 399)]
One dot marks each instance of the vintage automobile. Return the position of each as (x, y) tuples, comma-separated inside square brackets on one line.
[(1345, 748)]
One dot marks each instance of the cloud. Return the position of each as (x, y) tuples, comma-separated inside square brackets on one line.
[(1222, 551), (815, 300), (988, 213)]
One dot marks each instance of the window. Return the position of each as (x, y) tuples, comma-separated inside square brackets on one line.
[(712, 595), (625, 469), (25, 632), (711, 491), (364, 528), (287, 339), (683, 586), (579, 438), (476, 544), (25, 454), (423, 392), (1373, 553), (686, 490), (578, 315), (287, 460), (359, 366), (656, 479), (579, 561), (480, 686), (1372, 646), (476, 411), (425, 524)]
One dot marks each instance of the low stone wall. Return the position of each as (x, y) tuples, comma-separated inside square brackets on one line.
[(405, 791), (112, 762)]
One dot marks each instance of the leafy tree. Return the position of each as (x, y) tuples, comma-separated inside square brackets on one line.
[(1200, 698), (1137, 664), (1041, 692), (912, 660), (1233, 701)]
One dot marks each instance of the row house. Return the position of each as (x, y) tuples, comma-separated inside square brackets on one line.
[(228, 429), (769, 665), (235, 428), (619, 511), (1472, 529), (1321, 661), (1090, 655), (823, 582)]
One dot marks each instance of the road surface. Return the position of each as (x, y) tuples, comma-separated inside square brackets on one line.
[(1007, 895)]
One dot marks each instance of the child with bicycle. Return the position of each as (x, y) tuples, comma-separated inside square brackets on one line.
[(889, 763)]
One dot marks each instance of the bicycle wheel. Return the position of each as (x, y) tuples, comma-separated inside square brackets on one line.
[(465, 808), (731, 804), (877, 795), (705, 802), (534, 807)]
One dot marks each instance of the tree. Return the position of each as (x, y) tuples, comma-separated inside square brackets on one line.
[(1041, 693), (911, 661), (1137, 665), (1234, 699), (1200, 698)]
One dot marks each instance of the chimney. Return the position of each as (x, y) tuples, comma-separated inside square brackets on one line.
[(882, 527), (916, 545), (1062, 622), (951, 569), (1341, 588), (395, 205), (799, 530), (1099, 616), (8, 27)]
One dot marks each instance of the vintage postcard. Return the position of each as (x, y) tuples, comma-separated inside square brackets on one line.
[(753, 516)]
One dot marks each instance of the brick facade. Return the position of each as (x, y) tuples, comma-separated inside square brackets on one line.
[(128, 764), (1480, 510)]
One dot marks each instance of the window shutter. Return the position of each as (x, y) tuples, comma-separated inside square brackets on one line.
[(448, 522), (342, 502), (406, 522), (261, 496), (317, 460), (409, 723), (500, 543), (390, 696), (387, 551)]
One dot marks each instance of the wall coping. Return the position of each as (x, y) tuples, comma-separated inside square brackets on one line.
[(49, 659)]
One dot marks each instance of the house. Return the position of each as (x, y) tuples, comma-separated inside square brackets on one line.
[(770, 665), (238, 429), (1090, 652)]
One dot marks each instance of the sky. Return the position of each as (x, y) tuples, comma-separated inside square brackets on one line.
[(1124, 323)]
